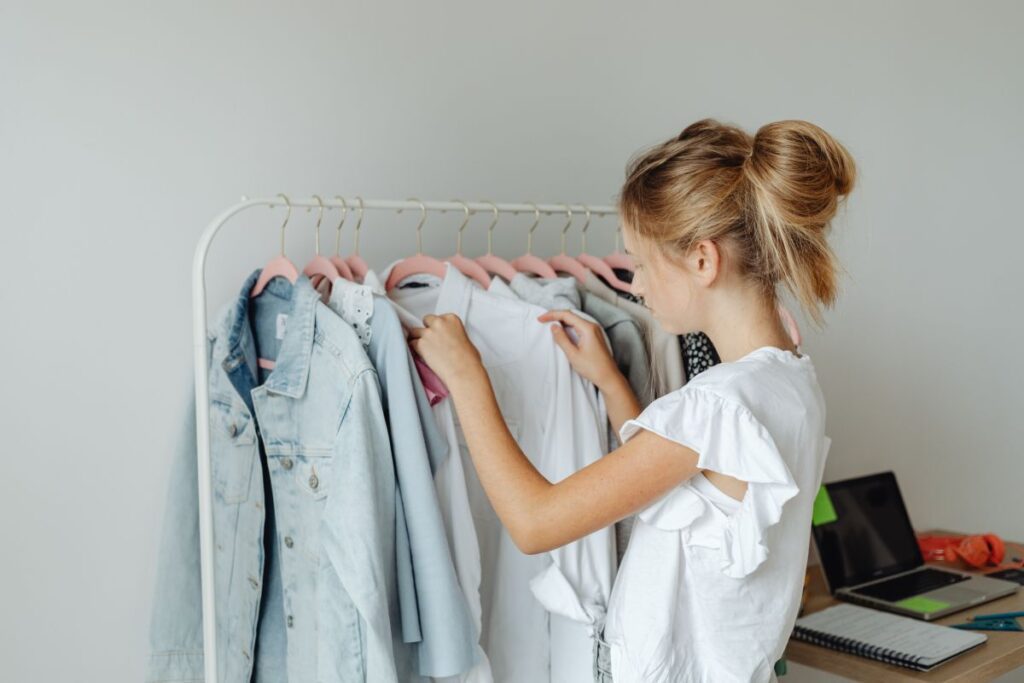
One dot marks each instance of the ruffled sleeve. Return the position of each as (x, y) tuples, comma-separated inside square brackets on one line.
[(730, 440)]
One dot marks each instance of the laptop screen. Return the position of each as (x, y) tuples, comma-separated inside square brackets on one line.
[(869, 535)]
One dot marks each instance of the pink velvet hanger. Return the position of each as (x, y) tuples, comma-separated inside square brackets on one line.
[(355, 262), (468, 266), (495, 265), (528, 263), (597, 265), (617, 259), (420, 263), (277, 267), (565, 263), (337, 260), (319, 265)]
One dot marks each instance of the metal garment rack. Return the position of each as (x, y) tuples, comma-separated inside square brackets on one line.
[(199, 326)]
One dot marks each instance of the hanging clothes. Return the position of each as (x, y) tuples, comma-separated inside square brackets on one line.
[(551, 414), (438, 617), (315, 428), (453, 497)]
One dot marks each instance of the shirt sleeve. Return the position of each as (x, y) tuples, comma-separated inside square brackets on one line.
[(577, 583), (728, 439)]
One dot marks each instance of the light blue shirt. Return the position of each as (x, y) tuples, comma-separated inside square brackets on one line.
[(447, 636)]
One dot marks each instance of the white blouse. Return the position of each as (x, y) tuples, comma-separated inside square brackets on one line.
[(710, 586)]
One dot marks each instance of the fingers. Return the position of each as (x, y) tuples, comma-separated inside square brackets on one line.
[(416, 332), (563, 341), (582, 326)]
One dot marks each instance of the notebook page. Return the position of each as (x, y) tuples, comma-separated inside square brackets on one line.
[(931, 642)]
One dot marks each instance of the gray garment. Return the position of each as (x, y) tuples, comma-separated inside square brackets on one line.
[(666, 359), (629, 347), (602, 660), (438, 617)]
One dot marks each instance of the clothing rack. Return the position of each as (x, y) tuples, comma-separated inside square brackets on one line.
[(201, 352)]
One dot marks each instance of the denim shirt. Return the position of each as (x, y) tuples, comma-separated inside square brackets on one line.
[(316, 431)]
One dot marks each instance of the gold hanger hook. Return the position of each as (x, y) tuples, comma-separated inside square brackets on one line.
[(344, 215), (359, 224), (529, 233), (286, 217), (568, 213), (490, 228), (583, 230), (465, 222), (419, 227), (319, 217)]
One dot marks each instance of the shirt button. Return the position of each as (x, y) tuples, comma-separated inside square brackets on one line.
[(254, 583), (291, 622), (313, 481), (288, 541), (286, 463), (233, 429)]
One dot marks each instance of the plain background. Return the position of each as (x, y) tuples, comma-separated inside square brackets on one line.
[(125, 127)]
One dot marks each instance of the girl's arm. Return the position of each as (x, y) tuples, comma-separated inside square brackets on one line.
[(540, 515)]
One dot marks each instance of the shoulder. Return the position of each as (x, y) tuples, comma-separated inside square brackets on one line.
[(338, 337)]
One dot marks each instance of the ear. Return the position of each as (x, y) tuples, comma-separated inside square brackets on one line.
[(706, 261)]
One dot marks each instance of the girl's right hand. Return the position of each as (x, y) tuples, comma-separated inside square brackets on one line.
[(589, 356)]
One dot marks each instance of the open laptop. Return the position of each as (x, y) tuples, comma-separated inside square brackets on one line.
[(870, 555)]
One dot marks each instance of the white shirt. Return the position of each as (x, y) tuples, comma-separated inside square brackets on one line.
[(710, 587), (551, 413)]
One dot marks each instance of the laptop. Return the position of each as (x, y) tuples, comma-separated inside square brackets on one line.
[(870, 556)]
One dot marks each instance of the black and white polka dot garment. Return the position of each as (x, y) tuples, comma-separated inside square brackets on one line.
[(699, 353)]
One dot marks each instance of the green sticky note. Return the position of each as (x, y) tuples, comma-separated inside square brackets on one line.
[(824, 512), (924, 605)]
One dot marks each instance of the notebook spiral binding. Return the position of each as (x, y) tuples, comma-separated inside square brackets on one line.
[(853, 647)]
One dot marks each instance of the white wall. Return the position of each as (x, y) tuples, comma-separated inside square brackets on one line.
[(124, 127)]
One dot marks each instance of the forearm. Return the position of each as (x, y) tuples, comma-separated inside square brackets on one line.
[(619, 400), (513, 485)]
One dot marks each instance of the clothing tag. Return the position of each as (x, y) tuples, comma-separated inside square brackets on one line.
[(824, 512), (282, 321)]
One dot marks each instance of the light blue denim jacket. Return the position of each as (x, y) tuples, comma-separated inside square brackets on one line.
[(318, 416)]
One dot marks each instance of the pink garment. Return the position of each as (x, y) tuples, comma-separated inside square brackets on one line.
[(432, 384)]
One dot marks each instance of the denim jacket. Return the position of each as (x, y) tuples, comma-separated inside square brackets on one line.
[(314, 433)]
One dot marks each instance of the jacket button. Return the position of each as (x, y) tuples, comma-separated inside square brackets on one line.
[(286, 463), (233, 429), (291, 622), (288, 541), (254, 583), (313, 481)]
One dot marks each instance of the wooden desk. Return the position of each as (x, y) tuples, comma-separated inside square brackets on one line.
[(1003, 652)]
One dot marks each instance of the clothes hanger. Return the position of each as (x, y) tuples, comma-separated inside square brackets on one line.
[(597, 265), (337, 260), (355, 262), (319, 265), (528, 263), (279, 266), (420, 263), (565, 263), (468, 266), (617, 259), (495, 265)]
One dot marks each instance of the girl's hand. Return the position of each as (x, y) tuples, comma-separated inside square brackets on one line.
[(589, 356), (443, 345)]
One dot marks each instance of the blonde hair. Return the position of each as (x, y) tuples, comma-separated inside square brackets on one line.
[(768, 199)]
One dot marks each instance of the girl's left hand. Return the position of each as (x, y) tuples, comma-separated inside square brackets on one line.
[(443, 345)]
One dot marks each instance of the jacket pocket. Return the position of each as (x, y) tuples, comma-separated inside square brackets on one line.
[(232, 451)]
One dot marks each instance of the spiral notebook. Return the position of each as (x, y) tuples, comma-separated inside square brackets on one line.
[(885, 637)]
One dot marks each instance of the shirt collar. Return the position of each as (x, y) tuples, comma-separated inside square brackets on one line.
[(291, 369)]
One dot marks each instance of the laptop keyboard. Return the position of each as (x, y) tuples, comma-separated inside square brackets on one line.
[(909, 585)]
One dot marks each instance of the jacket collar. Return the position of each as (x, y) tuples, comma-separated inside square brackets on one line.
[(291, 370)]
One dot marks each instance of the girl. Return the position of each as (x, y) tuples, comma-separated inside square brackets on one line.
[(723, 472)]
